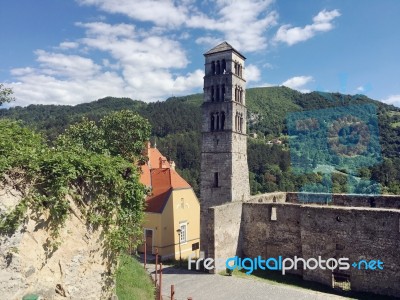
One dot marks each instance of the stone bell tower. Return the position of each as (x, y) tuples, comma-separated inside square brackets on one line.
[(224, 169)]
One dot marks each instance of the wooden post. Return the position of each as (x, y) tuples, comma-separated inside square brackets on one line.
[(172, 291), (160, 283), (155, 277), (145, 255)]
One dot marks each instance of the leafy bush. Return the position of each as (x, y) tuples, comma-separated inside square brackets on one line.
[(106, 187)]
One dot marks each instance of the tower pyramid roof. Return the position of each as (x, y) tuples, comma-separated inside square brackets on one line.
[(225, 46)]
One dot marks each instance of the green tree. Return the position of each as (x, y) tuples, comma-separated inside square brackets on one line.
[(5, 94), (85, 134), (125, 133), (121, 133), (106, 187)]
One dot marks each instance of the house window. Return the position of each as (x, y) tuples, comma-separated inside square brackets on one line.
[(183, 233), (273, 214)]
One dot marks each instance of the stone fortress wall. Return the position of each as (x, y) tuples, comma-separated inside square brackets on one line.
[(284, 224), (277, 224)]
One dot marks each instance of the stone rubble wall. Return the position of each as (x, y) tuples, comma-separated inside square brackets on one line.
[(77, 269)]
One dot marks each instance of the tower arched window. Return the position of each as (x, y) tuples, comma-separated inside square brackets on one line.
[(223, 66), (217, 123), (241, 122), (241, 95), (212, 94), (213, 67), (223, 93), (236, 91), (222, 120), (217, 93), (218, 68), (212, 122)]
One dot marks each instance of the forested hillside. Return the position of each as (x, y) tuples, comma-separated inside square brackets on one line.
[(176, 130)]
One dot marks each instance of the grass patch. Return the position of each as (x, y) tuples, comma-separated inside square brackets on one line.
[(177, 264), (395, 125), (393, 113), (133, 282)]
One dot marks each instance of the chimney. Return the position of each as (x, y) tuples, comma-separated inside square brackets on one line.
[(172, 164)]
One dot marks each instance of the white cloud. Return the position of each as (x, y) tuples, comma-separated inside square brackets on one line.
[(149, 62), (68, 45), (252, 73), (38, 88), (72, 66), (360, 89), (137, 65), (161, 13), (209, 41), (268, 66), (243, 23), (104, 29), (298, 83), (392, 99), (293, 35), (191, 80)]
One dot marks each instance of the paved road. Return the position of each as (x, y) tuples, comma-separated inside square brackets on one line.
[(201, 286)]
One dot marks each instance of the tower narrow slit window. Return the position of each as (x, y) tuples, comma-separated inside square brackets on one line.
[(235, 93), (237, 122), (212, 94), (212, 122), (216, 183), (222, 121), (217, 128), (218, 68), (223, 93)]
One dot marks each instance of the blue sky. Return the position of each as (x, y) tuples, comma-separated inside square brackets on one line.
[(69, 52)]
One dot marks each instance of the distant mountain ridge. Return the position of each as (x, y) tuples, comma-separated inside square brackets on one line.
[(267, 107), (176, 124)]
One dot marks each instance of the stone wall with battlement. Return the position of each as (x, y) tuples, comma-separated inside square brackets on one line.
[(277, 224), (378, 201)]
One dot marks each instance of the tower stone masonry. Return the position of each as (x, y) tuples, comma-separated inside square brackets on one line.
[(224, 169)]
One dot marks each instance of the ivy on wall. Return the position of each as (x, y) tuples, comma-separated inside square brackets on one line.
[(94, 166)]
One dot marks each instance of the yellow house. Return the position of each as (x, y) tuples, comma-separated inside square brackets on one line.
[(172, 214)]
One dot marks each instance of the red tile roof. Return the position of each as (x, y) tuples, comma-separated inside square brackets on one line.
[(158, 174)]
